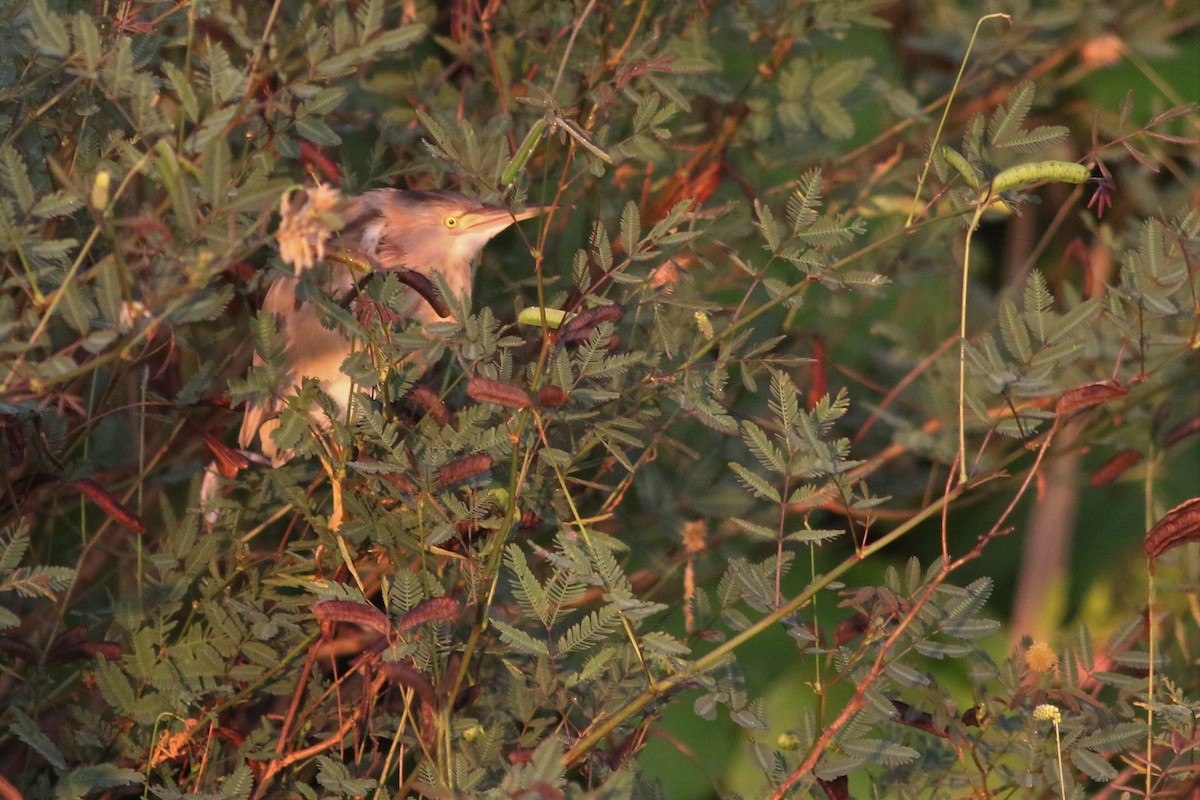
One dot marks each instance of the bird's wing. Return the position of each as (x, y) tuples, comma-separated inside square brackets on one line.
[(312, 351), (260, 413)]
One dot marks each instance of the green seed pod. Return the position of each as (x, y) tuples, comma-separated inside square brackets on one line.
[(523, 153), (1024, 175), (100, 190), (961, 166), (533, 316)]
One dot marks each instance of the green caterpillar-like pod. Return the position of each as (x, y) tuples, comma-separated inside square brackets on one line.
[(555, 317), (961, 166), (521, 157), (1026, 174)]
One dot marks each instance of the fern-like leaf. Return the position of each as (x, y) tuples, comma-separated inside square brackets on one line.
[(803, 204), (1038, 303), (1006, 122)]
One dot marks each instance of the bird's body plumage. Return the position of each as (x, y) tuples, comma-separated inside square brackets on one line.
[(426, 232)]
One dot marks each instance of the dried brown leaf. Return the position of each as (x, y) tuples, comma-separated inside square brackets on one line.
[(227, 460)]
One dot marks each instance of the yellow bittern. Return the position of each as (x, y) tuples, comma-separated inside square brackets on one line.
[(424, 232)]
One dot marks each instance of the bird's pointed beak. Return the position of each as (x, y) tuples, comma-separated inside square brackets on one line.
[(490, 220)]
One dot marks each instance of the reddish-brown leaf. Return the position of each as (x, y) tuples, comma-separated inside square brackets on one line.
[(227, 460), (915, 718)]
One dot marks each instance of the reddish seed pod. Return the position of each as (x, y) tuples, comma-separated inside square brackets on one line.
[(551, 397), (483, 390), (1178, 526), (819, 387), (110, 650), (1181, 431), (312, 156), (433, 610), (430, 403), (405, 674), (424, 287), (1087, 396), (73, 645), (1114, 468), (15, 648), (110, 505), (464, 468), (583, 323), (363, 615), (399, 480), (65, 647), (520, 755)]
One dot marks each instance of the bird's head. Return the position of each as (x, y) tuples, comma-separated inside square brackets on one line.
[(428, 231)]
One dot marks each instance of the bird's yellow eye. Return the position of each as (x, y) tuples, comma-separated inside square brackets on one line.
[(451, 222)]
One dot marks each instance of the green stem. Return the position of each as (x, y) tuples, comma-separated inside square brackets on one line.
[(962, 343), (962, 68)]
